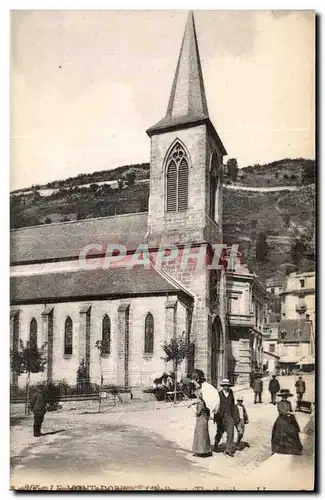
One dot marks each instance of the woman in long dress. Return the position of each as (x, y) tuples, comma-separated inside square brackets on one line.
[(285, 433), (201, 441)]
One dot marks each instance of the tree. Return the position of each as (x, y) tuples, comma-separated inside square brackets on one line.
[(309, 174), (286, 219), (143, 205), (120, 184), (232, 169), (262, 248), (28, 359), (176, 350), (82, 377), (130, 177), (101, 349), (298, 250)]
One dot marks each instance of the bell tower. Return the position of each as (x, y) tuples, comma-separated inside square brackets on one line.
[(185, 204)]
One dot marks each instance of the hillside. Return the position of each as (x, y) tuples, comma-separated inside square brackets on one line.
[(288, 172), (284, 217)]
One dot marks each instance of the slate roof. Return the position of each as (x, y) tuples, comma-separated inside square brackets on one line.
[(84, 284), (65, 240), (292, 330)]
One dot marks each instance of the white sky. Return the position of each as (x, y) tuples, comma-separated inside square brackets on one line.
[(85, 85)]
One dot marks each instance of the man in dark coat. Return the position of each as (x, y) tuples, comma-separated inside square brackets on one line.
[(300, 389), (38, 407), (258, 389), (274, 388), (224, 418)]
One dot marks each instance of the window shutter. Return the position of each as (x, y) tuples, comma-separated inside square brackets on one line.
[(183, 185), (172, 187)]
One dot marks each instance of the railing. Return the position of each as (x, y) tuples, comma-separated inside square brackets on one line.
[(241, 319)]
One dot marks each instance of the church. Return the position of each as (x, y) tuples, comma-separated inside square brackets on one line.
[(134, 310)]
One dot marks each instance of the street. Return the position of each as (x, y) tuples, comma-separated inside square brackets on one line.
[(148, 444)]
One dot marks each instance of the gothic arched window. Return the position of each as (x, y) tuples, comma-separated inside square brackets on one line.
[(68, 336), (177, 180), (33, 334), (149, 334), (106, 335)]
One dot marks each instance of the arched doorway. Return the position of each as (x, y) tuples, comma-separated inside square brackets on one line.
[(217, 352)]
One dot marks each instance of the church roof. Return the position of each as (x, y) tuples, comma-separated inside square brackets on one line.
[(65, 240), (187, 102), (84, 284)]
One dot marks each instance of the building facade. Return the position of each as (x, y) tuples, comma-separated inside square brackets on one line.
[(270, 347), (246, 312), (295, 343), (298, 299)]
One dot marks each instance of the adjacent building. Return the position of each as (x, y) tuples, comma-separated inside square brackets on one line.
[(246, 312), (295, 345), (298, 299), (270, 347)]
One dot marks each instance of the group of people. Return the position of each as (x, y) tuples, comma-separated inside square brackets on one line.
[(275, 389), (228, 415)]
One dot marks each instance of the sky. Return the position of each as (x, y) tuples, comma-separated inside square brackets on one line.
[(85, 85)]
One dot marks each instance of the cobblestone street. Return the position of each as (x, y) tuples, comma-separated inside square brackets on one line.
[(146, 444)]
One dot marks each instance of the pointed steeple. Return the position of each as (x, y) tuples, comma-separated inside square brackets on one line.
[(187, 102), (188, 94)]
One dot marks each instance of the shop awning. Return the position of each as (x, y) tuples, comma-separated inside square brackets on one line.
[(289, 359), (307, 360)]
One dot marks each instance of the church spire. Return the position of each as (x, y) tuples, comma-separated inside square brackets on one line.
[(188, 94), (187, 102)]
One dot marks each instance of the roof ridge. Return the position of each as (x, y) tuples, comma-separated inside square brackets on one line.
[(77, 221)]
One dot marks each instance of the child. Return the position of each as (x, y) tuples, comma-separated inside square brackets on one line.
[(201, 442), (241, 419)]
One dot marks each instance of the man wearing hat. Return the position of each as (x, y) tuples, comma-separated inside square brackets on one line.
[(225, 418), (300, 389), (258, 389), (241, 419), (274, 387)]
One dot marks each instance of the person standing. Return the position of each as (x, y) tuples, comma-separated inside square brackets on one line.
[(201, 442), (274, 387), (300, 389), (38, 407), (224, 418), (285, 432), (241, 419), (209, 392), (258, 389)]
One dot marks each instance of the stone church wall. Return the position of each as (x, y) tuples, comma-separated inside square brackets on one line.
[(141, 366)]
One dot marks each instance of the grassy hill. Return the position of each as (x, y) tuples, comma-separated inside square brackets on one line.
[(283, 216), (287, 172)]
